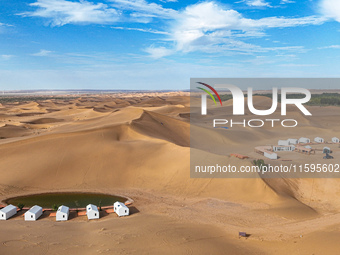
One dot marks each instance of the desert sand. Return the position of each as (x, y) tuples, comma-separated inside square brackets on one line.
[(138, 146)]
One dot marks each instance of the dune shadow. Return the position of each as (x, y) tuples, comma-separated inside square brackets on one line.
[(45, 214), (73, 215), (243, 234), (133, 210), (103, 214), (18, 214)]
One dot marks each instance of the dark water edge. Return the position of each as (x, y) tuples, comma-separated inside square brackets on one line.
[(70, 199)]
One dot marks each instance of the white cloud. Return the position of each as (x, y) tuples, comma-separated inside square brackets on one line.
[(297, 65), (42, 53), (204, 26), (209, 27), (61, 12), (158, 52), (168, 1), (141, 8), (6, 57), (281, 22), (287, 2), (260, 60), (330, 47), (330, 9), (5, 25), (148, 30), (257, 3)]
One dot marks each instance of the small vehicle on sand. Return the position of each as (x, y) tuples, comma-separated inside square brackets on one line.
[(328, 156)]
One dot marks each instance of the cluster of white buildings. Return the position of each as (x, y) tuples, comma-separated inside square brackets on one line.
[(62, 213), (289, 144), (292, 144), (302, 140)]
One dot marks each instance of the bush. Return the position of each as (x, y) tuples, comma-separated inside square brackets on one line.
[(54, 207), (20, 206), (259, 163)]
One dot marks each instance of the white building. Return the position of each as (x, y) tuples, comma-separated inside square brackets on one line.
[(121, 209), (92, 212), (326, 150), (335, 140), (7, 212), (270, 155), (308, 147), (34, 213), (293, 141), (319, 140), (304, 140), (284, 148), (283, 142), (62, 213)]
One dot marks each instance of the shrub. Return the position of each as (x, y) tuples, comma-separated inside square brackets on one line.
[(20, 206), (259, 163)]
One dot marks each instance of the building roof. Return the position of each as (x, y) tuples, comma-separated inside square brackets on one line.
[(63, 209), (8, 208), (34, 209), (90, 207), (120, 204), (266, 149), (302, 148)]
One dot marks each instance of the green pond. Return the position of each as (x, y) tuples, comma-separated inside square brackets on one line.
[(72, 200)]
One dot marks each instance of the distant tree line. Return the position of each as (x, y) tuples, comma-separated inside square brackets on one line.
[(317, 99), (9, 99)]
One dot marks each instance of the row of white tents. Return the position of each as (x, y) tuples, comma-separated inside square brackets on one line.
[(291, 141), (62, 213)]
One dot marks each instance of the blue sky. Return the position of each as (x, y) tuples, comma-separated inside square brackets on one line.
[(161, 44)]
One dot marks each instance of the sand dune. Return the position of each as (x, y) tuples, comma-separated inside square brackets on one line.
[(9, 131), (44, 121), (139, 147), (162, 127)]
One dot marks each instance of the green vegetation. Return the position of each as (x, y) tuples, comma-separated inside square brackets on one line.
[(100, 205), (70, 199), (55, 207), (317, 99), (9, 99), (259, 163), (225, 97), (20, 206), (323, 99)]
